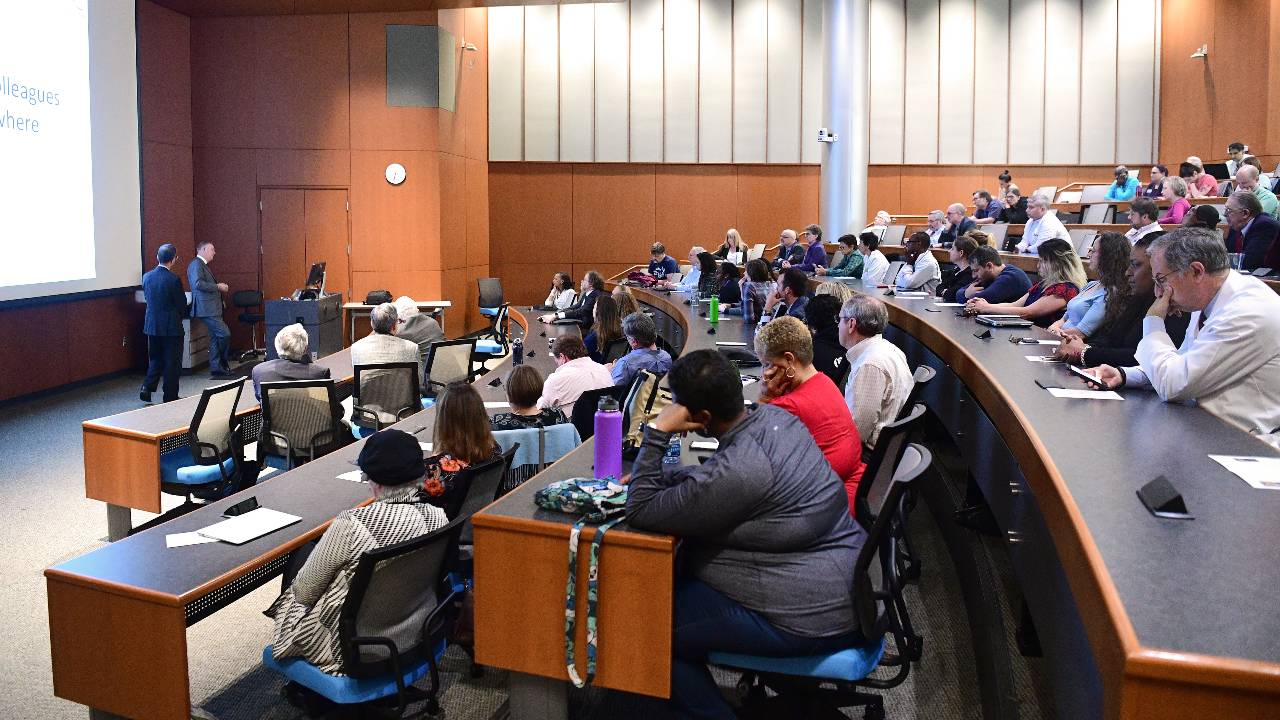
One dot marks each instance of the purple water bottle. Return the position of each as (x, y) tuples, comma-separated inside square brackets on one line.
[(608, 439)]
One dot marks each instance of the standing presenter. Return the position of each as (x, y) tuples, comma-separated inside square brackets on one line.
[(206, 304), (166, 304)]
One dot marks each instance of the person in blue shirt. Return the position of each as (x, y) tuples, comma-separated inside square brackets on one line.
[(645, 354), (993, 281), (1124, 188), (660, 263), (690, 281), (815, 255)]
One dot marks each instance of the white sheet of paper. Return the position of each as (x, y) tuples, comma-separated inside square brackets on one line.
[(173, 540), (249, 526), (942, 304), (426, 447), (911, 294), (495, 406), (353, 476), (730, 343), (1042, 358), (747, 381), (1085, 394), (1262, 473)]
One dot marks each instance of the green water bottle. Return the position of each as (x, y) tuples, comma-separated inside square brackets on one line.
[(714, 314)]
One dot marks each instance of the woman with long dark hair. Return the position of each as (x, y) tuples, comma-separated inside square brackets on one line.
[(606, 333), (1106, 296), (462, 439)]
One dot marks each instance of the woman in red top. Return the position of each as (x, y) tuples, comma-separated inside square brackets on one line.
[(792, 383)]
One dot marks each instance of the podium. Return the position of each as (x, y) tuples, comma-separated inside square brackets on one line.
[(321, 318)]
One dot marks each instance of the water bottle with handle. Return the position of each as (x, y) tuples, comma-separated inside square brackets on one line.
[(608, 439)]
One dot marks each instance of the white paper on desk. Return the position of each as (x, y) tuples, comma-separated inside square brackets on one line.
[(1259, 472), (1043, 358), (249, 526), (730, 343), (496, 405), (426, 447), (173, 540), (1080, 394), (353, 476), (942, 304), (747, 381), (911, 294)]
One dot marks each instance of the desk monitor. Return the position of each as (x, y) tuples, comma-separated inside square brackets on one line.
[(1217, 170), (315, 278)]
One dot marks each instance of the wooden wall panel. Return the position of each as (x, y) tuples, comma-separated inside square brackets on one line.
[(300, 86), (1240, 35), (164, 75), (112, 327), (1187, 83), (694, 206), (226, 205), (168, 213), (473, 85), (395, 227), (223, 111), (531, 212), (453, 212), (613, 213), (46, 345), (417, 284), (772, 198), (450, 127), (884, 189), (303, 167), (374, 125), (477, 202), (527, 283), (282, 229)]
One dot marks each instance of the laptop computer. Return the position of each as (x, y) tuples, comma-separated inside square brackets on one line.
[(1003, 321), (1217, 170), (891, 275)]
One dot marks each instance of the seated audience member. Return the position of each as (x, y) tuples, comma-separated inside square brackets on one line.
[(839, 291), (1247, 179), (850, 264), (708, 270), (583, 310), (1124, 188), (1204, 216), (561, 295), (1263, 178), (660, 263), (1155, 188), (1042, 225), (815, 255), (1015, 207), (1175, 190), (1061, 276), (294, 362), (874, 263), (575, 374), (645, 354), (957, 224), (961, 251), (1085, 312), (1251, 231), (605, 342), (524, 387), (1236, 153), (626, 303), (879, 378), (416, 326), (729, 278), (921, 271), (792, 383), (879, 224), (382, 345), (1200, 184), (318, 576), (756, 288), (763, 517), (462, 439), (689, 282), (993, 281), (1116, 341), (822, 317), (1142, 219), (732, 244), (1229, 361), (987, 208), (937, 227), (790, 296), (790, 251), (1005, 181)]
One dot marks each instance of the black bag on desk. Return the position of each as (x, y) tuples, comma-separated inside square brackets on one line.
[(377, 297)]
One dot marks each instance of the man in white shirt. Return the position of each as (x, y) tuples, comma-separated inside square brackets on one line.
[(1041, 225), (1229, 361), (921, 271), (874, 263), (937, 226), (576, 373), (879, 378), (1142, 220), (879, 225)]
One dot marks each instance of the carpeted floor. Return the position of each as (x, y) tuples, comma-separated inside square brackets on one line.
[(48, 520)]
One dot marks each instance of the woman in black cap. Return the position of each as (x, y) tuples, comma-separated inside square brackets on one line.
[(306, 613)]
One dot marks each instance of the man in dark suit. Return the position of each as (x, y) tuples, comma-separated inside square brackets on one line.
[(960, 224), (206, 304), (789, 250), (166, 306), (582, 311), (1253, 232)]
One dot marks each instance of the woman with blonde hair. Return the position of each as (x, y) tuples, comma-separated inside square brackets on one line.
[(1175, 190), (732, 244), (1061, 277), (839, 290), (791, 382)]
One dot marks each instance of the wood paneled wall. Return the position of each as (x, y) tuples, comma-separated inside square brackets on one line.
[(299, 101)]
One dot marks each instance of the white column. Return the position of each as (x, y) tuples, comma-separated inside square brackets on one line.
[(844, 112)]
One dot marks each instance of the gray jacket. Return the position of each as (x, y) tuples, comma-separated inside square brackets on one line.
[(206, 299), (423, 330), (765, 521), (376, 348)]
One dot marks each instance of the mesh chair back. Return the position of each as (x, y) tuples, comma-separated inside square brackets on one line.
[(1048, 191), (304, 412), (212, 425), (490, 292), (883, 459), (392, 596), (387, 390), (921, 377), (449, 361), (615, 349), (483, 483), (246, 298)]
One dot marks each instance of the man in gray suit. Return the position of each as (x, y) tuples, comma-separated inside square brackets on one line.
[(382, 345), (206, 304)]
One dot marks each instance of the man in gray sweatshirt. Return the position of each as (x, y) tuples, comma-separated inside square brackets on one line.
[(769, 546)]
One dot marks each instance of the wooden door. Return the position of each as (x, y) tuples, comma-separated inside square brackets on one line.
[(325, 214), (282, 256)]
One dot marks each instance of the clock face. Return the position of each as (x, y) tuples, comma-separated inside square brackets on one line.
[(395, 173)]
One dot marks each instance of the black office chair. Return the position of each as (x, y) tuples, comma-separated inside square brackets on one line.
[(210, 464), (382, 395), (448, 361), (818, 685), (395, 638), (584, 409), (921, 377), (301, 420), (493, 305), (245, 299)]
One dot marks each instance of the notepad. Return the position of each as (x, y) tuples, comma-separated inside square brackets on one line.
[(730, 343), (354, 475), (1043, 358), (249, 526), (1262, 473), (426, 447), (942, 304), (1076, 394), (911, 294), (173, 540), (495, 406)]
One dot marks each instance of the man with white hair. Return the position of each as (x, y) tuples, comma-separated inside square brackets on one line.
[(957, 224), (937, 226), (1041, 225), (416, 326), (382, 345), (1247, 180), (691, 279), (293, 363), (879, 224)]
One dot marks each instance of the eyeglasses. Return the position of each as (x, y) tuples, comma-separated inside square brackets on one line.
[(1162, 279), (1229, 210)]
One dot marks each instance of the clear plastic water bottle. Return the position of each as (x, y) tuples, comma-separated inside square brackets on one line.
[(608, 439), (672, 456)]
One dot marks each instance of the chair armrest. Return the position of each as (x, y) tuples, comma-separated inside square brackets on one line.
[(367, 414), (288, 447)]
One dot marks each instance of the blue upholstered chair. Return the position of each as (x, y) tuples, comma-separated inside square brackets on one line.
[(397, 637), (210, 461), (383, 394), (817, 684)]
